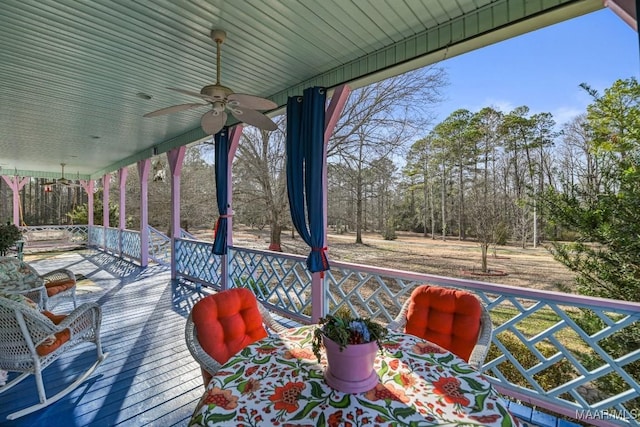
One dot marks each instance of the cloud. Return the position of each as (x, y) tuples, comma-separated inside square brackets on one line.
[(565, 114)]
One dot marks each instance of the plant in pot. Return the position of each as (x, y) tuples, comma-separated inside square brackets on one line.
[(9, 235), (351, 344)]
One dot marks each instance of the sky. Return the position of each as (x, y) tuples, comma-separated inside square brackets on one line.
[(544, 68)]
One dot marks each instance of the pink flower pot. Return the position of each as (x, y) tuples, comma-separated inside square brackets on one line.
[(350, 370)]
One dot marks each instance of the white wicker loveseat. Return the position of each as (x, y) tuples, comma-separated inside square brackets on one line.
[(30, 340)]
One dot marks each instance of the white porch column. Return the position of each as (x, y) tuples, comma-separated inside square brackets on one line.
[(16, 184), (175, 157), (143, 173), (338, 101)]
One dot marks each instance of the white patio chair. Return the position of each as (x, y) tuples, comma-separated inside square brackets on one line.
[(217, 338), (57, 283), (30, 341), (433, 313)]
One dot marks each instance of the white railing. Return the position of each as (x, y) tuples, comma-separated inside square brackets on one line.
[(541, 355), (196, 262), (543, 351), (159, 246), (55, 234)]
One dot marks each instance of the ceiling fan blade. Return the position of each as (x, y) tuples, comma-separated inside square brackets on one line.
[(191, 93), (253, 118), (212, 121), (249, 101), (172, 109)]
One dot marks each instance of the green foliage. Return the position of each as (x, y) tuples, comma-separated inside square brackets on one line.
[(80, 214), (258, 288), (606, 218), (9, 235), (389, 232), (617, 345), (344, 329), (606, 255), (549, 378)]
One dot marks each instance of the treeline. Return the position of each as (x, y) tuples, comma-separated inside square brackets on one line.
[(41, 204)]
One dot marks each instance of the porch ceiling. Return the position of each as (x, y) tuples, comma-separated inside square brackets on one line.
[(72, 73)]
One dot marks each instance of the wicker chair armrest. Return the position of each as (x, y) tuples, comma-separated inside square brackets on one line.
[(85, 316), (59, 274), (39, 296), (400, 321), (269, 321), (479, 353), (207, 362)]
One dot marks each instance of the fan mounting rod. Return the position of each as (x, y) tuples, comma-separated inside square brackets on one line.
[(218, 36)]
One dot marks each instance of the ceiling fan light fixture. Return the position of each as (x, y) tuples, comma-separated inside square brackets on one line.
[(218, 106)]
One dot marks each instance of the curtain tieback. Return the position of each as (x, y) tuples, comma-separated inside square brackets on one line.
[(325, 264), (215, 229)]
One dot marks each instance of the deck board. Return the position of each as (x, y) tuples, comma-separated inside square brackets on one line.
[(149, 377)]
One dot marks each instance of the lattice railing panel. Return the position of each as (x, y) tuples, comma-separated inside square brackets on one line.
[(159, 246), (113, 240), (558, 359), (96, 235), (131, 244), (366, 293), (76, 233), (196, 262), (280, 280)]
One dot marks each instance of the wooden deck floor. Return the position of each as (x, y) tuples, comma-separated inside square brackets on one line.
[(149, 377)]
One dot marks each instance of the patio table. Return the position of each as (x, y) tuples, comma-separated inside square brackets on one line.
[(278, 381)]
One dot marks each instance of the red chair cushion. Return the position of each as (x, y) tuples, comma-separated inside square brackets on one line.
[(55, 318), (227, 322), (57, 286), (447, 317), (52, 343)]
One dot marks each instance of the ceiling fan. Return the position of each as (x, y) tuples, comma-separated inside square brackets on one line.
[(62, 181), (223, 100)]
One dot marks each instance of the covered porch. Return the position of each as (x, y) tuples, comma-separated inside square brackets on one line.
[(154, 280)]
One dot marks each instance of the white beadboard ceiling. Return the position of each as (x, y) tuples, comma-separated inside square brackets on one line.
[(73, 73)]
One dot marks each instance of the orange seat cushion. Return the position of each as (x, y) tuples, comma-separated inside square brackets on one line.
[(447, 317), (55, 318), (53, 343), (57, 286), (227, 322)]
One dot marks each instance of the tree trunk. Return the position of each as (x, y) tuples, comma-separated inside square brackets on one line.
[(275, 237), (484, 247), (359, 207)]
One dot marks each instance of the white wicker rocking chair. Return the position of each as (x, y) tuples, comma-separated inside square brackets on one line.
[(31, 341), (57, 283)]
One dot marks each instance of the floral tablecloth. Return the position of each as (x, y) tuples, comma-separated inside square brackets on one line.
[(278, 382)]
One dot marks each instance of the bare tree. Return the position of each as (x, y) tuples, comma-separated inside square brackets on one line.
[(378, 122), (261, 177)]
